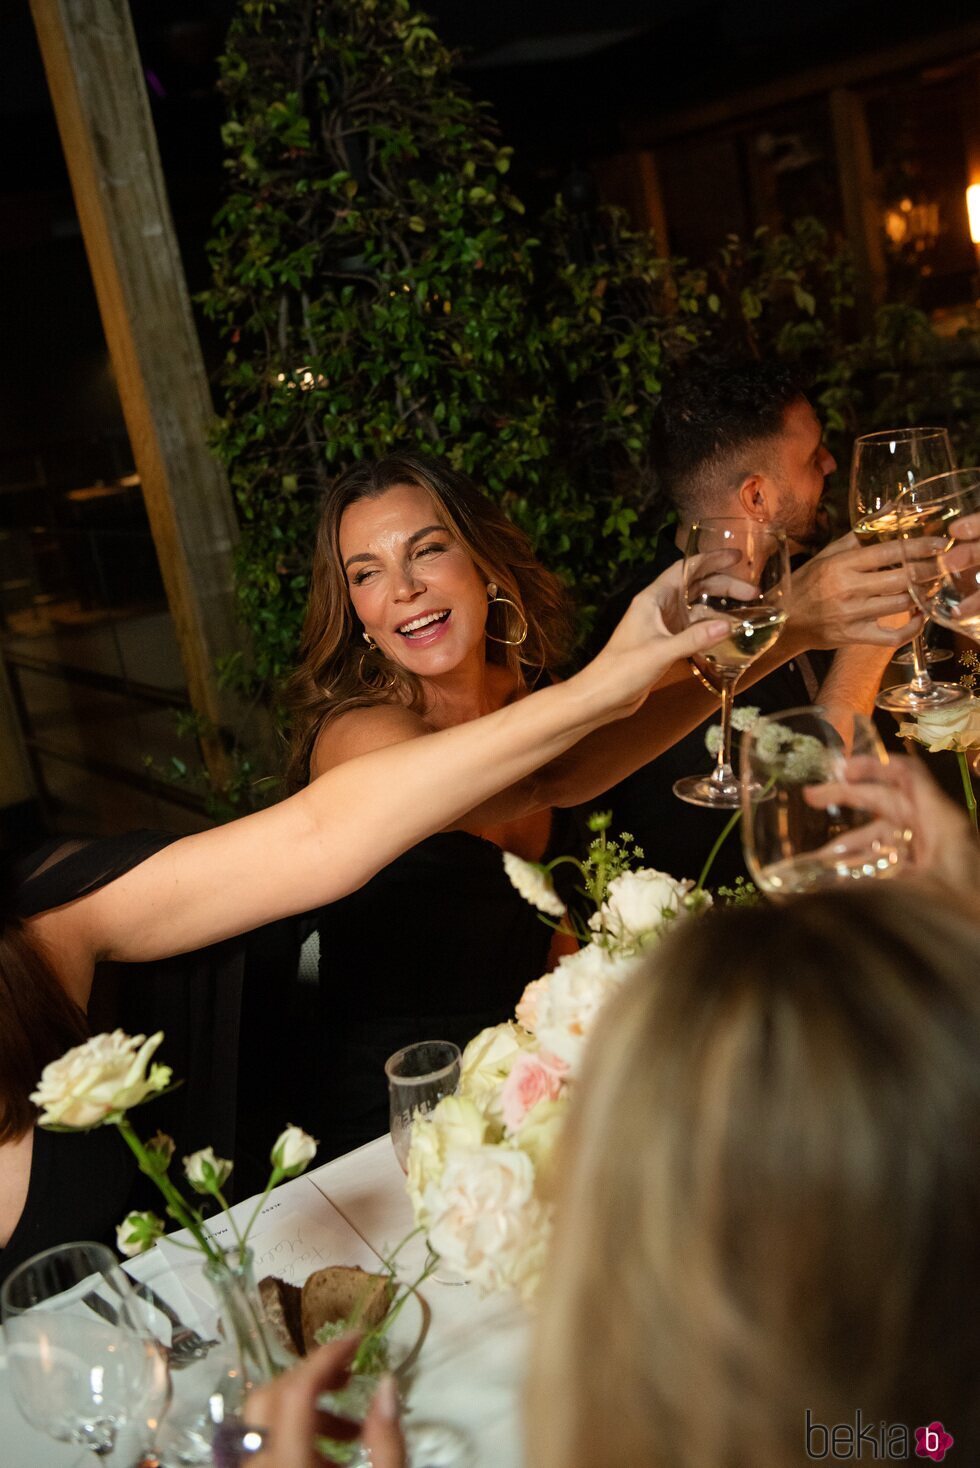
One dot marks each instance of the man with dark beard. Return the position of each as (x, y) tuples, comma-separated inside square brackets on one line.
[(742, 441)]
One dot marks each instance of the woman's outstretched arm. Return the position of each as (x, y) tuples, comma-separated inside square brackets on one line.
[(331, 837)]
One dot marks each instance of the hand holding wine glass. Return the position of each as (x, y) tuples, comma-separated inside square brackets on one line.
[(737, 570), (940, 546), (886, 469), (794, 842)]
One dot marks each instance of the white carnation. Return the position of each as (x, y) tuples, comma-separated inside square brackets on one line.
[(579, 986), (534, 884), (487, 1224)]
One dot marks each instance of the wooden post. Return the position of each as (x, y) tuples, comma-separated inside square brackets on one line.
[(96, 82), (861, 209)]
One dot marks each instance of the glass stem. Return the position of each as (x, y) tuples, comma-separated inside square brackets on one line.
[(722, 771), (921, 682)]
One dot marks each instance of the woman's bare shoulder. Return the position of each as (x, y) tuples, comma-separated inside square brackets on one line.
[(361, 730)]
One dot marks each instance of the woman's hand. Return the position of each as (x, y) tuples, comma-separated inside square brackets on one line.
[(285, 1412), (944, 844), (643, 647)]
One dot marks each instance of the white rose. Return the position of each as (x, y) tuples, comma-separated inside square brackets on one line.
[(638, 905), (205, 1172), (534, 884), (137, 1233), (96, 1082), (539, 1132), (579, 986), (956, 726), (486, 1064), (454, 1124), (487, 1224), (292, 1150)]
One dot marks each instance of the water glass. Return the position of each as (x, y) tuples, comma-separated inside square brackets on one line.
[(419, 1076)]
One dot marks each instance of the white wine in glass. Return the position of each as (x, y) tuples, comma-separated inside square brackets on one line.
[(942, 566), (737, 570), (883, 466)]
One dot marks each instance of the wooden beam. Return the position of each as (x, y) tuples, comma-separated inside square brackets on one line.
[(862, 214), (847, 72), (96, 82)]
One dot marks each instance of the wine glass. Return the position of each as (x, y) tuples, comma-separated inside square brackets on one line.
[(794, 839), (883, 466), (419, 1076), (739, 570), (943, 570), (82, 1368)]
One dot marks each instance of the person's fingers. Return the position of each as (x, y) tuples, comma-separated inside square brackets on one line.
[(966, 527), (286, 1408), (382, 1433), (697, 638)]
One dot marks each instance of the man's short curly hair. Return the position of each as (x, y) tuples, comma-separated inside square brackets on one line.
[(716, 425)]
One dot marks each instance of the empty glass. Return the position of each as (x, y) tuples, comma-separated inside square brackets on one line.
[(82, 1369), (797, 837), (419, 1076)]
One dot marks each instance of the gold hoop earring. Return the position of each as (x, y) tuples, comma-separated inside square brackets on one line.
[(370, 641), (386, 687), (495, 599)]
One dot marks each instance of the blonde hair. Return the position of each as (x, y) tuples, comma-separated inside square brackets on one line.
[(337, 672), (771, 1193)]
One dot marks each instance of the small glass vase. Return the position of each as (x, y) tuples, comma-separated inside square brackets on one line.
[(209, 1395)]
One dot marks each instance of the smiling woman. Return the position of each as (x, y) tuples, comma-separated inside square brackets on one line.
[(427, 610)]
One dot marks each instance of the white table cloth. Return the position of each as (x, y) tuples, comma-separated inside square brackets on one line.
[(348, 1212)]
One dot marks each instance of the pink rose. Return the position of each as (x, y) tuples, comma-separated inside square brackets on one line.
[(529, 1082)]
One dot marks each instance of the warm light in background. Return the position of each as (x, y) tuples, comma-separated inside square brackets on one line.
[(973, 210)]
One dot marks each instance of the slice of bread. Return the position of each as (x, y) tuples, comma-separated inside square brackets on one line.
[(281, 1302), (340, 1292)]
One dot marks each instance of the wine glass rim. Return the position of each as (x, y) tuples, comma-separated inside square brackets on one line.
[(430, 1075), (938, 496), (741, 522), (35, 1259), (899, 435)]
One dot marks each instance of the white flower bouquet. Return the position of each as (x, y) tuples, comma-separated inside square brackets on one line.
[(479, 1163), (955, 727)]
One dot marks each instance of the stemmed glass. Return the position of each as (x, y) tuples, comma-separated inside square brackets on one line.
[(419, 1076), (943, 572), (884, 466), (82, 1368), (794, 839), (739, 570)]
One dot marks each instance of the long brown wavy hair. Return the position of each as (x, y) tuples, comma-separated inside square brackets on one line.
[(770, 1193), (38, 1021), (337, 672)]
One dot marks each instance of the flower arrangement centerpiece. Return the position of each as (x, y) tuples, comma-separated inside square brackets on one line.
[(479, 1163)]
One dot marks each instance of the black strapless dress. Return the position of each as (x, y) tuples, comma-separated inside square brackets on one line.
[(435, 947)]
